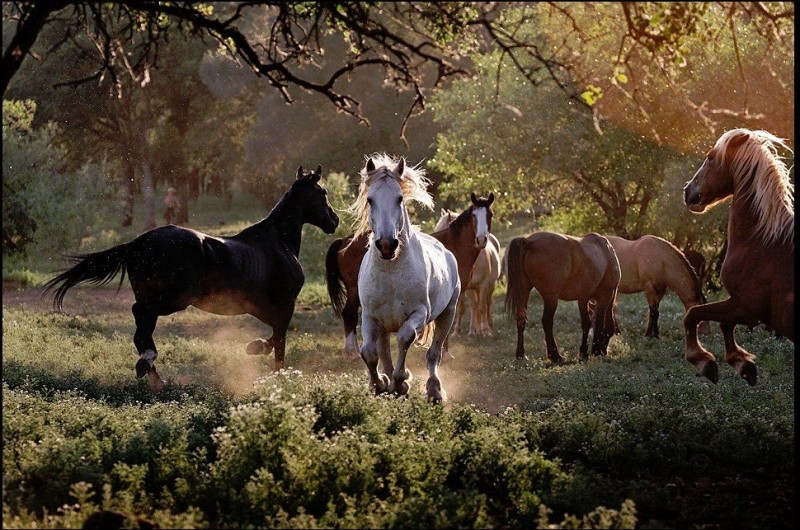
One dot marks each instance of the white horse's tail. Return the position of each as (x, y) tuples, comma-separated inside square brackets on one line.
[(425, 338)]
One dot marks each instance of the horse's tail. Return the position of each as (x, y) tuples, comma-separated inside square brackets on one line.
[(97, 268), (515, 272), (697, 290), (333, 276)]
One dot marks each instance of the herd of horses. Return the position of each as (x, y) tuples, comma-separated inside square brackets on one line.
[(415, 284)]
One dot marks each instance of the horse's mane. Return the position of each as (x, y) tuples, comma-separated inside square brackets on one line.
[(412, 182), (762, 175), (459, 222)]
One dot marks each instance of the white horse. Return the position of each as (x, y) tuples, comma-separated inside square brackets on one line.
[(483, 277), (407, 278)]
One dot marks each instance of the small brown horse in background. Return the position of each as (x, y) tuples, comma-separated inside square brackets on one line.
[(481, 285), (563, 267), (652, 264), (464, 237), (758, 271)]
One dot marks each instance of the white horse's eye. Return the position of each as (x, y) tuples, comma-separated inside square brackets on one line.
[(369, 201), (400, 200)]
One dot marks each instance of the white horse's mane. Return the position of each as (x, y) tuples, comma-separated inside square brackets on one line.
[(413, 183), (758, 172)]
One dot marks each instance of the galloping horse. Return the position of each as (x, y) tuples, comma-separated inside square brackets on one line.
[(652, 264), (758, 271), (480, 288), (465, 238), (255, 271), (407, 278), (563, 267)]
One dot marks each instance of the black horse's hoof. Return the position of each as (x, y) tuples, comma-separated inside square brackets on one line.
[(142, 368)]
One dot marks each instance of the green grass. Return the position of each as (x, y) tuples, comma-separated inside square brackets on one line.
[(634, 439)]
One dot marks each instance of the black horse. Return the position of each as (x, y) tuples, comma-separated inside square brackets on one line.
[(170, 268)]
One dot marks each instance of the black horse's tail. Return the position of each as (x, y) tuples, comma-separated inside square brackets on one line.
[(97, 268), (334, 277), (515, 272)]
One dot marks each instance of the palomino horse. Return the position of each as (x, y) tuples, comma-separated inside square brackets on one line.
[(407, 278), (758, 271), (653, 265), (255, 271), (480, 288), (465, 238), (563, 267)]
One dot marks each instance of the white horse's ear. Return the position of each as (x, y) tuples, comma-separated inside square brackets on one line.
[(370, 166), (400, 168), (491, 198), (299, 172)]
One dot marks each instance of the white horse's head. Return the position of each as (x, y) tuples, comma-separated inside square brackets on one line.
[(386, 184)]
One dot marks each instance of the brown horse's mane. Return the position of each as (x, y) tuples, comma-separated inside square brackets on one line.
[(459, 222), (761, 175)]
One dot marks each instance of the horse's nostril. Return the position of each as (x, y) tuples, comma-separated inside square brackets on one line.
[(394, 244)]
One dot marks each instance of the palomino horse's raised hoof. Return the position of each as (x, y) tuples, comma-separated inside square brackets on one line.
[(259, 347), (709, 370), (749, 372)]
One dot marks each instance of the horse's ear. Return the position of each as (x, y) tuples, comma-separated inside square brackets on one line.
[(473, 198), (443, 212), (370, 166), (491, 198), (299, 172), (316, 175), (319, 170), (400, 168)]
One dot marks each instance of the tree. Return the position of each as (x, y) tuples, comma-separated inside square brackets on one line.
[(640, 44)]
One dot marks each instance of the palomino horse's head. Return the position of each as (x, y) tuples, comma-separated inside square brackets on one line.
[(714, 181), (447, 217), (385, 187), (482, 214), (313, 200)]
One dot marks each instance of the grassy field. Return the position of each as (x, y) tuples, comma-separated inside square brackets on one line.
[(634, 439)]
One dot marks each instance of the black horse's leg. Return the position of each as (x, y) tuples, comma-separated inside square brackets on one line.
[(547, 325), (146, 316)]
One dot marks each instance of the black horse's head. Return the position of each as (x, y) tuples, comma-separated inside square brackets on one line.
[(312, 200)]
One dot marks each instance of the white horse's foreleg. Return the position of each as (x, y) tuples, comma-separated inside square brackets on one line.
[(406, 336), (385, 354), (370, 352), (434, 356)]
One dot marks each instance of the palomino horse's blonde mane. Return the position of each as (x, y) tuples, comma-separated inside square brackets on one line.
[(413, 183), (762, 175)]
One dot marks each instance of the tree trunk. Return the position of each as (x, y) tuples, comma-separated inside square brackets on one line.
[(149, 196), (129, 188)]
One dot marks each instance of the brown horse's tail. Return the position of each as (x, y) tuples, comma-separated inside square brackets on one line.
[(697, 289), (515, 259), (333, 276), (97, 268)]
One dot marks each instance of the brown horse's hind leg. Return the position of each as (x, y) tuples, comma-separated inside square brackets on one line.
[(547, 325), (350, 321), (654, 297), (738, 357), (586, 324)]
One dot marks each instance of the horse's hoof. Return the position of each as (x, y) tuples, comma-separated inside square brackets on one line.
[(156, 383), (402, 388), (142, 368), (749, 372), (435, 391), (258, 347), (710, 370), (382, 386), (556, 359)]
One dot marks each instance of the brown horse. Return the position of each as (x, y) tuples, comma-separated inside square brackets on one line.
[(758, 271), (464, 237), (563, 267), (653, 265), (481, 285)]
